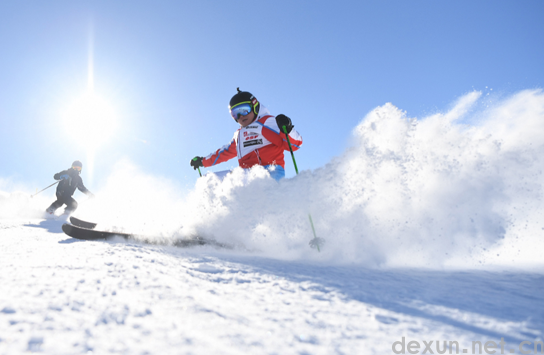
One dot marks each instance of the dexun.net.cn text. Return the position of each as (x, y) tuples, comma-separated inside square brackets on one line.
[(453, 347)]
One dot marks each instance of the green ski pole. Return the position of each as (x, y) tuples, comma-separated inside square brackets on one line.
[(290, 148), (316, 242)]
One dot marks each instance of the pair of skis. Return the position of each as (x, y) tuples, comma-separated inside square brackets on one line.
[(84, 230)]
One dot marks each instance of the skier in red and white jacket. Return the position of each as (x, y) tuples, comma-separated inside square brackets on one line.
[(260, 140)]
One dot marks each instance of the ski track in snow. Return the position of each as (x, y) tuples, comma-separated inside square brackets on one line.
[(65, 296)]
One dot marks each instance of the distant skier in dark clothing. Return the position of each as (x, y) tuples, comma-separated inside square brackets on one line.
[(69, 181)]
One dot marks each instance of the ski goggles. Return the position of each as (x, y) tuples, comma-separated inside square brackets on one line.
[(78, 168), (242, 109)]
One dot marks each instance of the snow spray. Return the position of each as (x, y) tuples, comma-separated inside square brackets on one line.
[(461, 187), (464, 186)]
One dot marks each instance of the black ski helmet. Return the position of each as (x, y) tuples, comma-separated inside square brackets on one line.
[(243, 97), (77, 163)]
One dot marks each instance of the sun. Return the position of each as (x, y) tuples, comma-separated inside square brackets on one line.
[(91, 119)]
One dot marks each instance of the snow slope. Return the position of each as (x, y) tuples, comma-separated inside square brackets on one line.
[(63, 296), (434, 233)]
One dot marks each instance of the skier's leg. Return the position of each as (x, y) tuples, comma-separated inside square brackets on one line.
[(71, 205), (276, 172), (55, 205)]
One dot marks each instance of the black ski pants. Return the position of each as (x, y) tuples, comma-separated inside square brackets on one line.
[(71, 204)]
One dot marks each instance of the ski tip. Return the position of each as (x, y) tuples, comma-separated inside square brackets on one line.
[(81, 223), (67, 228)]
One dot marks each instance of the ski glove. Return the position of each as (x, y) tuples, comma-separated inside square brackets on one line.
[(64, 177), (283, 120), (196, 162)]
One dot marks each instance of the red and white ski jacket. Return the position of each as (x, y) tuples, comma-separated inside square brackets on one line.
[(259, 143)]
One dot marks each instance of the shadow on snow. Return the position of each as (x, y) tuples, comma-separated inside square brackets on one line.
[(52, 226), (436, 295)]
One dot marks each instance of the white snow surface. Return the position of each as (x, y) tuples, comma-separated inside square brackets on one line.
[(433, 228)]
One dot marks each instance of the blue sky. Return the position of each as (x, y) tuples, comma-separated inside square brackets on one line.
[(166, 71)]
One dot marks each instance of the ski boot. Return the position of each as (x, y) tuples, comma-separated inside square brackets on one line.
[(49, 213)]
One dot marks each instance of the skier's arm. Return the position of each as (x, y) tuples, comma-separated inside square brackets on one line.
[(82, 187), (62, 175), (221, 155), (273, 133), (294, 137)]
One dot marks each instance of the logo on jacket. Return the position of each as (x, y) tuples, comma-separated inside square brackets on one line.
[(253, 142), (250, 135)]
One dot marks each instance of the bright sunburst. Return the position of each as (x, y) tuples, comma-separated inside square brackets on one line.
[(91, 119)]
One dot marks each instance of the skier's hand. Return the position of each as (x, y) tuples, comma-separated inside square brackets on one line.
[(196, 162), (283, 120), (64, 177)]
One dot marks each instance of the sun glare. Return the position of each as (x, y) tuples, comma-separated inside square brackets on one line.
[(91, 119)]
